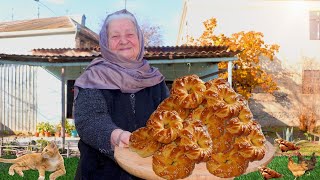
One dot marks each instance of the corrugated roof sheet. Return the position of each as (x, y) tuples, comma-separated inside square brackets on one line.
[(181, 52), (151, 53), (47, 24), (36, 24)]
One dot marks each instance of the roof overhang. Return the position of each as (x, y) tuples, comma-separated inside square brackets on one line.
[(37, 32), (154, 55), (84, 61)]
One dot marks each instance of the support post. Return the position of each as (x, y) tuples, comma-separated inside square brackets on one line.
[(230, 72), (1, 146), (63, 105), (68, 149)]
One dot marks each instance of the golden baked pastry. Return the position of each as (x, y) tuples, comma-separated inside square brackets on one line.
[(189, 91), (195, 114), (242, 124), (227, 165), (224, 99), (252, 146), (214, 124), (202, 122), (215, 83), (143, 143), (170, 162), (196, 140), (223, 143), (165, 125), (171, 104)]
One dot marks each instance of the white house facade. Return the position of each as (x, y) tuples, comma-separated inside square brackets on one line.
[(29, 93), (293, 25)]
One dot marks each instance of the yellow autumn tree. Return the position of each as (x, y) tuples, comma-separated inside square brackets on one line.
[(247, 74)]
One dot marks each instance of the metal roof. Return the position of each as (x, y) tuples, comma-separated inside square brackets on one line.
[(36, 24), (44, 25), (165, 54), (151, 52)]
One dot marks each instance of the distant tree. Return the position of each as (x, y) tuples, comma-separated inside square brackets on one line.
[(152, 34), (248, 73)]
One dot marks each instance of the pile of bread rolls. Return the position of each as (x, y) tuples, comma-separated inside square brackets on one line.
[(201, 122)]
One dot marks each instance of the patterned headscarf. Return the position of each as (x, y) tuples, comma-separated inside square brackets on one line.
[(113, 71)]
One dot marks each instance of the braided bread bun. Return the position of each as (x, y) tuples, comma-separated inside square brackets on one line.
[(214, 124), (201, 122), (215, 83), (165, 125), (196, 113), (196, 140), (189, 91), (224, 99), (142, 142), (171, 104), (252, 147), (227, 165), (170, 162), (242, 124), (223, 143)]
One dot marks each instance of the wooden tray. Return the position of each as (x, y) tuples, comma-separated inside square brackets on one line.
[(142, 167)]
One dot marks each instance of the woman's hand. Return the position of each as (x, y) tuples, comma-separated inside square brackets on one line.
[(123, 139), (120, 138)]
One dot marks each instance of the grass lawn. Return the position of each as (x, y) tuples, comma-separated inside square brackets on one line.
[(70, 164), (278, 164)]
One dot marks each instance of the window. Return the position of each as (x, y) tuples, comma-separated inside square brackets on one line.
[(314, 21), (311, 82)]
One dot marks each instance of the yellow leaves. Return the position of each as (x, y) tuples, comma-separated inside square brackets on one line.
[(249, 74), (210, 24)]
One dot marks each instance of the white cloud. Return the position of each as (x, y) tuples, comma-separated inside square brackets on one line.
[(56, 1)]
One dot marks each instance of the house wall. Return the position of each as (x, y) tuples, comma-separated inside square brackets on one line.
[(45, 104), (24, 44), (84, 42), (28, 95), (49, 97), (173, 71), (285, 23)]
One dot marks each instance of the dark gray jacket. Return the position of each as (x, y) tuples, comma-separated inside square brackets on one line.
[(98, 112)]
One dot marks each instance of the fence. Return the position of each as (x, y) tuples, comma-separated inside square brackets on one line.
[(20, 149), (18, 97)]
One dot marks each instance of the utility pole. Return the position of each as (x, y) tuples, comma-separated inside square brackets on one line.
[(38, 8), (38, 11), (44, 6), (12, 14)]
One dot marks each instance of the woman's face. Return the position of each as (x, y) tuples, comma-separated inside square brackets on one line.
[(123, 38)]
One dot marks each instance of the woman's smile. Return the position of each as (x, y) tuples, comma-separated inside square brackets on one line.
[(123, 38)]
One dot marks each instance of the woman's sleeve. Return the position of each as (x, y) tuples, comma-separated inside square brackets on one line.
[(164, 91), (92, 120)]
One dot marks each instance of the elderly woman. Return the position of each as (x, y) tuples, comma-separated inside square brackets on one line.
[(114, 96)]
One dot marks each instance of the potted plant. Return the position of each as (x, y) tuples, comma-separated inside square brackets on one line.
[(58, 130), (40, 129), (36, 134), (74, 132), (68, 128), (48, 128)]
